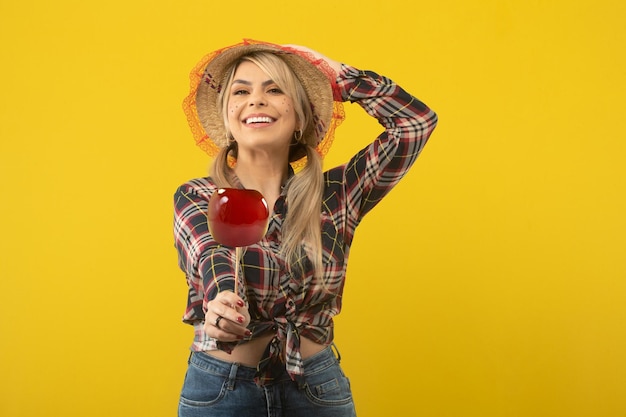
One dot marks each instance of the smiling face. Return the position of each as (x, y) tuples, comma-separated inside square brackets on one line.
[(259, 114)]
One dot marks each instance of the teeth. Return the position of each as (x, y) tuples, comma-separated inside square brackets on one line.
[(259, 120)]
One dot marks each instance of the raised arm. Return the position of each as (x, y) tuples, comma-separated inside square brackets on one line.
[(377, 168)]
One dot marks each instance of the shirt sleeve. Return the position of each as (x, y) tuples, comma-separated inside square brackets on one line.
[(407, 122), (208, 266)]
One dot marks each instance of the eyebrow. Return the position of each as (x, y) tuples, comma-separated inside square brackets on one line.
[(265, 83)]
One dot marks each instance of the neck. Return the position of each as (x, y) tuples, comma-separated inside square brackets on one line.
[(265, 175)]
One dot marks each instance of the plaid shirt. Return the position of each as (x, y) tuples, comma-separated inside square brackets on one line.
[(279, 301)]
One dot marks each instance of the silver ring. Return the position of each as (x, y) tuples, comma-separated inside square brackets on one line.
[(217, 321)]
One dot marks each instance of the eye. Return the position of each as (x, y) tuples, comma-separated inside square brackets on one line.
[(239, 92), (275, 90)]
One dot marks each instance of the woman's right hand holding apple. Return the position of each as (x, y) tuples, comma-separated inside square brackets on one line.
[(227, 318)]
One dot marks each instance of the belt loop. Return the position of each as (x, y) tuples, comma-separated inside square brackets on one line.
[(333, 346), (230, 385)]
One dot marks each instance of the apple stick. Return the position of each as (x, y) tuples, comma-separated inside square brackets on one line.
[(237, 263)]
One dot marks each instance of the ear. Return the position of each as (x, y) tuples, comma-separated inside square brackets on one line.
[(299, 124)]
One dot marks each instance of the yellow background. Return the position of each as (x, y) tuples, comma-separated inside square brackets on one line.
[(491, 282)]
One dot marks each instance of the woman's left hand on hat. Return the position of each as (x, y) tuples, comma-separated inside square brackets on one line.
[(335, 65)]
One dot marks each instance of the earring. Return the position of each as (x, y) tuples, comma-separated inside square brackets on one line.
[(297, 135)]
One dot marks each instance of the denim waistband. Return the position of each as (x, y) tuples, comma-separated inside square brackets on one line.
[(327, 357)]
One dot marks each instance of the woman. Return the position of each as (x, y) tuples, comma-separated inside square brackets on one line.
[(267, 113)]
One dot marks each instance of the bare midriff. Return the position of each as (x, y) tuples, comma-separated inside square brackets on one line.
[(250, 353)]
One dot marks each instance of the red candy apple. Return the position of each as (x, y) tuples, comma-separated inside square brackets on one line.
[(237, 217)]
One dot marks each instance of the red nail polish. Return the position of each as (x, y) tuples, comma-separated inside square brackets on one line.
[(240, 303), (248, 333), (240, 319)]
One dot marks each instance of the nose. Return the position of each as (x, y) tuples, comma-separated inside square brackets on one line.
[(258, 99)]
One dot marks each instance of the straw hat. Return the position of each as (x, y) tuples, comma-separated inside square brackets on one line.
[(207, 78)]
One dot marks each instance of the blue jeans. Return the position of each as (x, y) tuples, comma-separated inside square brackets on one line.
[(214, 387)]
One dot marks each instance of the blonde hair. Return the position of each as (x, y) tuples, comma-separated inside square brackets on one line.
[(302, 234)]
